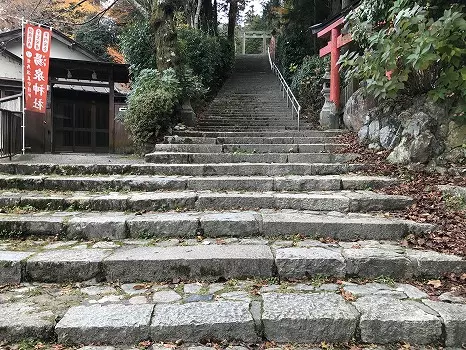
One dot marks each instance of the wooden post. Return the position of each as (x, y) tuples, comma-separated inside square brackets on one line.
[(111, 112), (334, 68)]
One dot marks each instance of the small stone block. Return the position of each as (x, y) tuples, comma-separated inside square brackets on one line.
[(454, 319), (11, 263), (387, 320), (98, 226), (308, 318), (295, 263), (202, 262), (65, 265), (108, 324), (163, 225), (193, 322), (231, 224), (19, 321), (373, 262)]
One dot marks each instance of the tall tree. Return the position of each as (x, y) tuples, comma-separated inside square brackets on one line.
[(232, 17)]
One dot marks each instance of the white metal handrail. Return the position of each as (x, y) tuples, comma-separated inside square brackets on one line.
[(290, 98)]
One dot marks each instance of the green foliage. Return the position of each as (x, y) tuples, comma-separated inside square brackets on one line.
[(97, 36), (137, 45), (414, 54), (292, 19), (211, 58), (307, 84), (191, 84), (151, 104), (292, 47)]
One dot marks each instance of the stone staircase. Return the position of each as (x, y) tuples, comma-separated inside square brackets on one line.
[(250, 101), (220, 236)]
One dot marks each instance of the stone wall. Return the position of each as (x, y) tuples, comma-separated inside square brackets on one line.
[(415, 129)]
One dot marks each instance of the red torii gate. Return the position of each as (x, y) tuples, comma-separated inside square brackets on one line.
[(337, 40)]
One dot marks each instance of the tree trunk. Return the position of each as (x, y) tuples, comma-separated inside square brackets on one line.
[(163, 24), (232, 15), (198, 14), (345, 3), (215, 18), (335, 6)]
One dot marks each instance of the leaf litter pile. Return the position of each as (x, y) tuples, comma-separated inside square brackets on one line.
[(430, 204)]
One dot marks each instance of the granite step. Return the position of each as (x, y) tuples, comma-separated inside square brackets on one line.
[(249, 140), (133, 261), (342, 201), (250, 148), (262, 223), (229, 313), (188, 157), (193, 183), (207, 169), (278, 133)]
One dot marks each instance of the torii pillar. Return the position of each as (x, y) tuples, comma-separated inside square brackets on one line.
[(336, 41)]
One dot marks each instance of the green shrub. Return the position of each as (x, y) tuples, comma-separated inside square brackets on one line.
[(137, 46), (414, 54), (151, 105), (209, 57), (307, 84)]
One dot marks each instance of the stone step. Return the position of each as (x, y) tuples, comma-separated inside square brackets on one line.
[(342, 201), (249, 140), (213, 260), (250, 148), (232, 128), (248, 118), (265, 223), (278, 133), (174, 183), (218, 158), (208, 169), (298, 313)]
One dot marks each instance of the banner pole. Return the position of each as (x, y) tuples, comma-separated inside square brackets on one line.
[(23, 88)]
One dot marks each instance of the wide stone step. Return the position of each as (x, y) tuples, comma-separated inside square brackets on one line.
[(250, 148), (174, 183), (207, 169), (213, 260), (233, 128), (240, 157), (279, 133), (285, 223), (249, 140), (299, 313), (342, 201)]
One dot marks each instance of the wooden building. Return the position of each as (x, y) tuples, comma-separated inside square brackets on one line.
[(85, 95)]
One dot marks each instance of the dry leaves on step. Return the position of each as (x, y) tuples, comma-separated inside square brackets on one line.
[(348, 296), (435, 283)]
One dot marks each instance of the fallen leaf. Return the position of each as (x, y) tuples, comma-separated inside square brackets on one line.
[(435, 283), (139, 286), (348, 296)]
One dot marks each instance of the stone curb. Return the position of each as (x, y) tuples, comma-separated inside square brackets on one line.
[(211, 262), (174, 183)]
